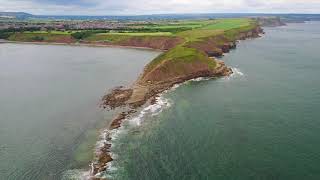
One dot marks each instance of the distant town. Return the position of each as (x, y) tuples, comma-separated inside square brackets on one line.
[(24, 21), (69, 25)]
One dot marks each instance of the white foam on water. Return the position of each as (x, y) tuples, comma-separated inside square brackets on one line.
[(76, 174), (128, 123), (175, 86), (151, 110), (112, 168), (236, 73), (161, 103), (114, 135), (200, 79)]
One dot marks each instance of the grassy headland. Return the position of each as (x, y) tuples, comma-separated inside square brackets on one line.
[(189, 55), (189, 52), (188, 43)]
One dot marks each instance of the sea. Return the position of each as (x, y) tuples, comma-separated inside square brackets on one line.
[(50, 119), (261, 123)]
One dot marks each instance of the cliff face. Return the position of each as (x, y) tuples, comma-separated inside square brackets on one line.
[(153, 42), (218, 45), (161, 43), (179, 64)]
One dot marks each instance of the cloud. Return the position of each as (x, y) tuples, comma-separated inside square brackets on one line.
[(125, 7)]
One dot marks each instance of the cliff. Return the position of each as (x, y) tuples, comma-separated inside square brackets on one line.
[(143, 41), (181, 63), (188, 60)]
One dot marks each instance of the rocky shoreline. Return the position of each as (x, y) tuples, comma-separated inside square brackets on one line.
[(145, 90)]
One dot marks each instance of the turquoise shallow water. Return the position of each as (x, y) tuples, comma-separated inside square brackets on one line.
[(49, 97), (261, 123)]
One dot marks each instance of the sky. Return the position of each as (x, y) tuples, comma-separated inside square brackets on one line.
[(139, 7)]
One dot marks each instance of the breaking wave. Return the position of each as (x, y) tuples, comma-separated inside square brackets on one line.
[(237, 71), (111, 136), (151, 110)]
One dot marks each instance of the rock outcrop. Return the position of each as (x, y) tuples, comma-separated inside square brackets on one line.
[(117, 97)]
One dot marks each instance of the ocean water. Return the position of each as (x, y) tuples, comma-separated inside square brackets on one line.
[(49, 105), (263, 122)]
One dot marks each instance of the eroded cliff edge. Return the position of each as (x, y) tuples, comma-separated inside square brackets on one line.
[(184, 62)]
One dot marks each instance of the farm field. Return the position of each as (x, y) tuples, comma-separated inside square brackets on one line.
[(184, 28)]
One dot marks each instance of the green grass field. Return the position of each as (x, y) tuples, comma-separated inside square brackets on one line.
[(227, 24), (199, 29), (49, 32), (45, 37), (139, 34), (181, 53)]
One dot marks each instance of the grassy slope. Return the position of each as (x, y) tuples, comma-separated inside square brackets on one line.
[(227, 24), (46, 37), (199, 31), (119, 37), (227, 27), (180, 53)]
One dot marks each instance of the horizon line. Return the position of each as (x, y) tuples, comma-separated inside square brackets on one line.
[(158, 14)]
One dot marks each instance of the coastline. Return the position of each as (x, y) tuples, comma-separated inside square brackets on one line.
[(139, 95), (147, 93), (150, 141)]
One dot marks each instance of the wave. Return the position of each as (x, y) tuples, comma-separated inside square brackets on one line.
[(199, 79), (151, 110), (111, 136), (76, 174), (237, 71)]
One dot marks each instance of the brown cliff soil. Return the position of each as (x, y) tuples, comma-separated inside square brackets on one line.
[(64, 39), (218, 45), (153, 42), (161, 43)]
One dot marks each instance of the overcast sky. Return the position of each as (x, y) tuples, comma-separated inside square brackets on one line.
[(134, 7)]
